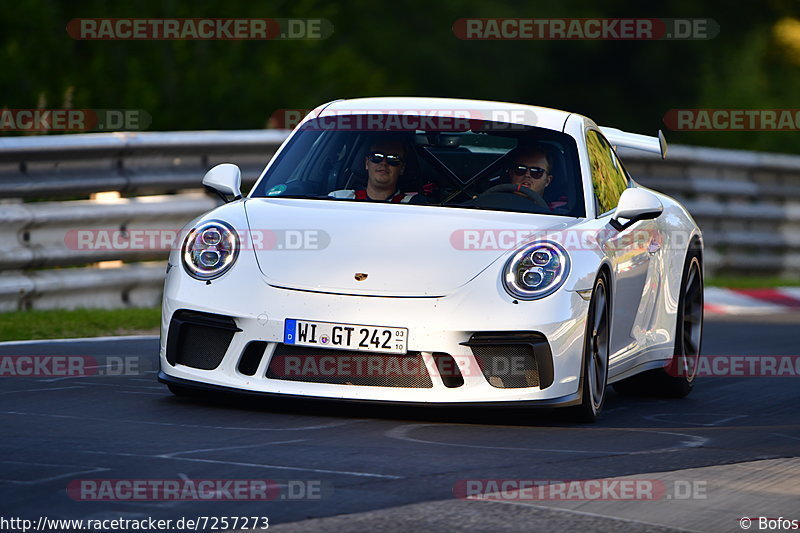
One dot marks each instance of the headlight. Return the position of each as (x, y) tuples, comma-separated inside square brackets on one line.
[(537, 270), (210, 250)]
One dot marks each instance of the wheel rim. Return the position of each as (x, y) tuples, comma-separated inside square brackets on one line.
[(692, 323), (598, 347)]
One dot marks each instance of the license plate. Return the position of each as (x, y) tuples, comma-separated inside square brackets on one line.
[(354, 337)]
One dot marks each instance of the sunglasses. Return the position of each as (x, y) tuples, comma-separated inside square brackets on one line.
[(393, 160), (536, 172)]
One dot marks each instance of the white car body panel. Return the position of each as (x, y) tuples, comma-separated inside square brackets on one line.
[(381, 247), (260, 310), (418, 280)]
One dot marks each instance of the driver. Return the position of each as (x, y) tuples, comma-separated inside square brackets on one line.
[(530, 167), (385, 163)]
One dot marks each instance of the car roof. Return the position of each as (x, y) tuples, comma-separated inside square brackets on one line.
[(526, 115)]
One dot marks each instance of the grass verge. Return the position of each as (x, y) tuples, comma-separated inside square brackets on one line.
[(58, 324)]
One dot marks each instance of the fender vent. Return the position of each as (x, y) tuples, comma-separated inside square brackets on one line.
[(251, 357)]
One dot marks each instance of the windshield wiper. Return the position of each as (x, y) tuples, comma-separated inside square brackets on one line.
[(302, 196), (505, 210)]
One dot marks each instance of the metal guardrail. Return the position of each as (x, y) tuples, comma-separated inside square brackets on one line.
[(48, 234), (159, 175), (747, 203), (133, 163), (136, 285)]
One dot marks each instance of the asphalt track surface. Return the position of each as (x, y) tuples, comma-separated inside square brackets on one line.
[(395, 466)]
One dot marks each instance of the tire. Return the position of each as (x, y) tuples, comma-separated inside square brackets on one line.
[(594, 373), (676, 380)]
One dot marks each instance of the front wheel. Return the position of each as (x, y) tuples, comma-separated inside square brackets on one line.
[(594, 377)]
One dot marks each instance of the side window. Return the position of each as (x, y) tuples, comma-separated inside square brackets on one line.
[(608, 177)]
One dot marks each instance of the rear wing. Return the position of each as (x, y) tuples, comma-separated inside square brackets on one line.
[(656, 145)]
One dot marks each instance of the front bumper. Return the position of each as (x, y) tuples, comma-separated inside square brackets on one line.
[(437, 325)]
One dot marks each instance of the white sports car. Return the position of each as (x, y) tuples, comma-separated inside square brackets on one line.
[(438, 251)]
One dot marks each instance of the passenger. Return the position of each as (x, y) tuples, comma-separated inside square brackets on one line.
[(385, 163)]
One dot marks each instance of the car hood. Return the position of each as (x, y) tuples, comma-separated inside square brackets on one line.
[(380, 249)]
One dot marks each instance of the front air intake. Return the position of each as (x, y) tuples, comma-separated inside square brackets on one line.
[(199, 340), (448, 370), (507, 366), (340, 367), (513, 359)]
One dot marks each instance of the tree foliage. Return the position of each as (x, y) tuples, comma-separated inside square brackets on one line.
[(407, 48)]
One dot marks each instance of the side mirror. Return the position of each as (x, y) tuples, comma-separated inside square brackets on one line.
[(634, 205), (225, 180)]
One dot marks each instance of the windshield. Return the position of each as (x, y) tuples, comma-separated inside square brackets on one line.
[(490, 165)]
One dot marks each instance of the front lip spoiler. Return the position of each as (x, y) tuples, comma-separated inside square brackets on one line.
[(562, 401)]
